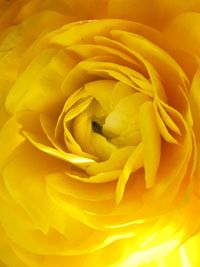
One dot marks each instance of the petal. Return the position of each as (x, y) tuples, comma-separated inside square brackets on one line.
[(99, 178), (10, 139), (136, 10), (27, 190), (191, 250), (116, 71), (119, 91), (194, 98), (151, 142), (115, 162), (160, 63), (157, 13), (80, 190), (91, 9), (183, 32), (8, 12), (7, 254), (102, 147), (168, 120), (134, 162), (101, 91), (125, 115), (90, 141), (68, 157), (174, 169), (91, 50), (162, 127), (46, 73), (166, 10)]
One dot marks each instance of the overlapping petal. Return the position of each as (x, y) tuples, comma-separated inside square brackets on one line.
[(100, 133)]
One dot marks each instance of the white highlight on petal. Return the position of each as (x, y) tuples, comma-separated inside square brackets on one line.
[(184, 258), (144, 257)]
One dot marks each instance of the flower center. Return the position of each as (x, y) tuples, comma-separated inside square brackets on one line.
[(97, 127), (102, 117)]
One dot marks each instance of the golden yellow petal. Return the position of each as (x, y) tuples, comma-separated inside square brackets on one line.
[(162, 126), (167, 119), (119, 91), (10, 139), (115, 162), (80, 190), (151, 142), (7, 255), (194, 99), (134, 162), (101, 90), (164, 65), (183, 31), (46, 73), (68, 157), (134, 10)]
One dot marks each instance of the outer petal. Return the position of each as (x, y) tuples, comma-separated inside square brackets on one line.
[(165, 10), (136, 10), (154, 13), (151, 141), (195, 103), (183, 33)]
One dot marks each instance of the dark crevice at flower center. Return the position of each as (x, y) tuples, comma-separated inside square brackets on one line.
[(97, 128)]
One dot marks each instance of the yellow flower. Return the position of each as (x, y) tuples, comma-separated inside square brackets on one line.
[(99, 133)]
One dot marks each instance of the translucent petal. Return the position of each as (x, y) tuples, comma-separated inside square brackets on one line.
[(68, 157)]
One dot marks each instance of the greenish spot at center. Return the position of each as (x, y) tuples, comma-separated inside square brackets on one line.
[(96, 127)]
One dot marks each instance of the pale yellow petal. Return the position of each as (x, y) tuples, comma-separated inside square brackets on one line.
[(123, 121)]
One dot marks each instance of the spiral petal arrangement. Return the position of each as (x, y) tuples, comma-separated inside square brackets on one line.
[(99, 137)]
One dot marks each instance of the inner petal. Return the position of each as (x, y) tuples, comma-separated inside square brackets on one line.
[(121, 125)]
